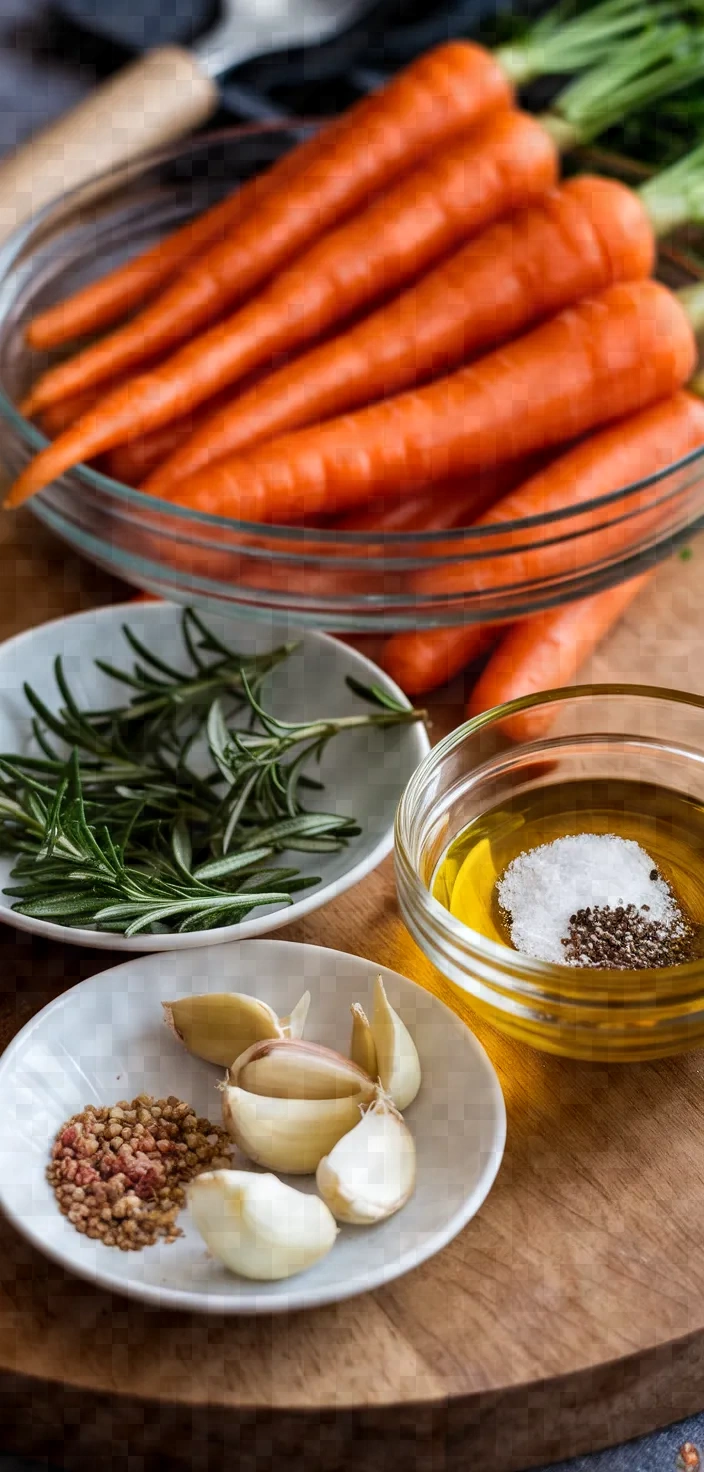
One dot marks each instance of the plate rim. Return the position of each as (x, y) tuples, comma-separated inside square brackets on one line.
[(180, 1300), (249, 929)]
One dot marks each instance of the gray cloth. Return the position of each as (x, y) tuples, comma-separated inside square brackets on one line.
[(36, 85)]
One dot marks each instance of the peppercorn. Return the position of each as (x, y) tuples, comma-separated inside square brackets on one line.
[(624, 938), (123, 1183)]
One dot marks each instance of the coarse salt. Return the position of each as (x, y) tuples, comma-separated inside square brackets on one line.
[(543, 887)]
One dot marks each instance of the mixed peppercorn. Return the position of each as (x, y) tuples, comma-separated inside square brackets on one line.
[(119, 1172)]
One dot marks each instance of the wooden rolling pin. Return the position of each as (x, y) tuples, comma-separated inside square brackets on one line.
[(148, 104), (157, 99)]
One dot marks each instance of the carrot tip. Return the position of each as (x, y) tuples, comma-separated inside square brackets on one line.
[(19, 492)]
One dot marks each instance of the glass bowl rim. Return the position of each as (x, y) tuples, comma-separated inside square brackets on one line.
[(297, 537), (490, 951)]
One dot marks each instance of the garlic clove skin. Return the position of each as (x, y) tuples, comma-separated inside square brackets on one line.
[(287, 1135), (398, 1064), (218, 1026), (371, 1172), (288, 1068), (362, 1045), (292, 1027), (259, 1227)]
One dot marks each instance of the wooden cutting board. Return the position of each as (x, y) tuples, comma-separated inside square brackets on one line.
[(568, 1315)]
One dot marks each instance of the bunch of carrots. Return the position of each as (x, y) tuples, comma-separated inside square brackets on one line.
[(450, 318)]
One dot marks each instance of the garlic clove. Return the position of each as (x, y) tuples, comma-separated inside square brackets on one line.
[(287, 1068), (371, 1172), (362, 1046), (258, 1226), (293, 1026), (398, 1064), (218, 1026), (287, 1135)]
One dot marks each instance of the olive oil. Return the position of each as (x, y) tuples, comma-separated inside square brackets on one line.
[(669, 825)]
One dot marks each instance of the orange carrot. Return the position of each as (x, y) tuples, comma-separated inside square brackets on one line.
[(131, 462), (138, 458), (113, 296), (120, 292), (508, 160), (613, 353), (141, 454), (59, 417), (434, 510), (438, 98), (421, 661), (623, 454), (609, 356), (577, 240), (545, 652), (445, 505), (404, 121)]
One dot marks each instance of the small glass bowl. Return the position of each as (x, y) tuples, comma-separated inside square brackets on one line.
[(356, 581), (626, 732)]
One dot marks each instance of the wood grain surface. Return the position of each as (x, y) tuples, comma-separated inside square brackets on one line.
[(568, 1315)]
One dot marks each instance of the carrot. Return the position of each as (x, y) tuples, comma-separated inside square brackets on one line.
[(435, 510), (613, 353), (609, 356), (421, 661), (476, 83), (576, 240), (618, 456), (141, 454), (427, 511), (432, 510), (113, 296), (623, 454), (508, 160), (435, 100), (58, 417), (445, 505), (545, 652), (138, 458)]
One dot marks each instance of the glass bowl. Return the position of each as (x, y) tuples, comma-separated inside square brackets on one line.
[(338, 580), (637, 733)]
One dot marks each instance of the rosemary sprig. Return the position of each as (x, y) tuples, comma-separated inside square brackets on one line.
[(114, 828), (79, 876), (264, 787)]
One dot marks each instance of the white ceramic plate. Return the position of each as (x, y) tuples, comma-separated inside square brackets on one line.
[(105, 1040), (364, 772)]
